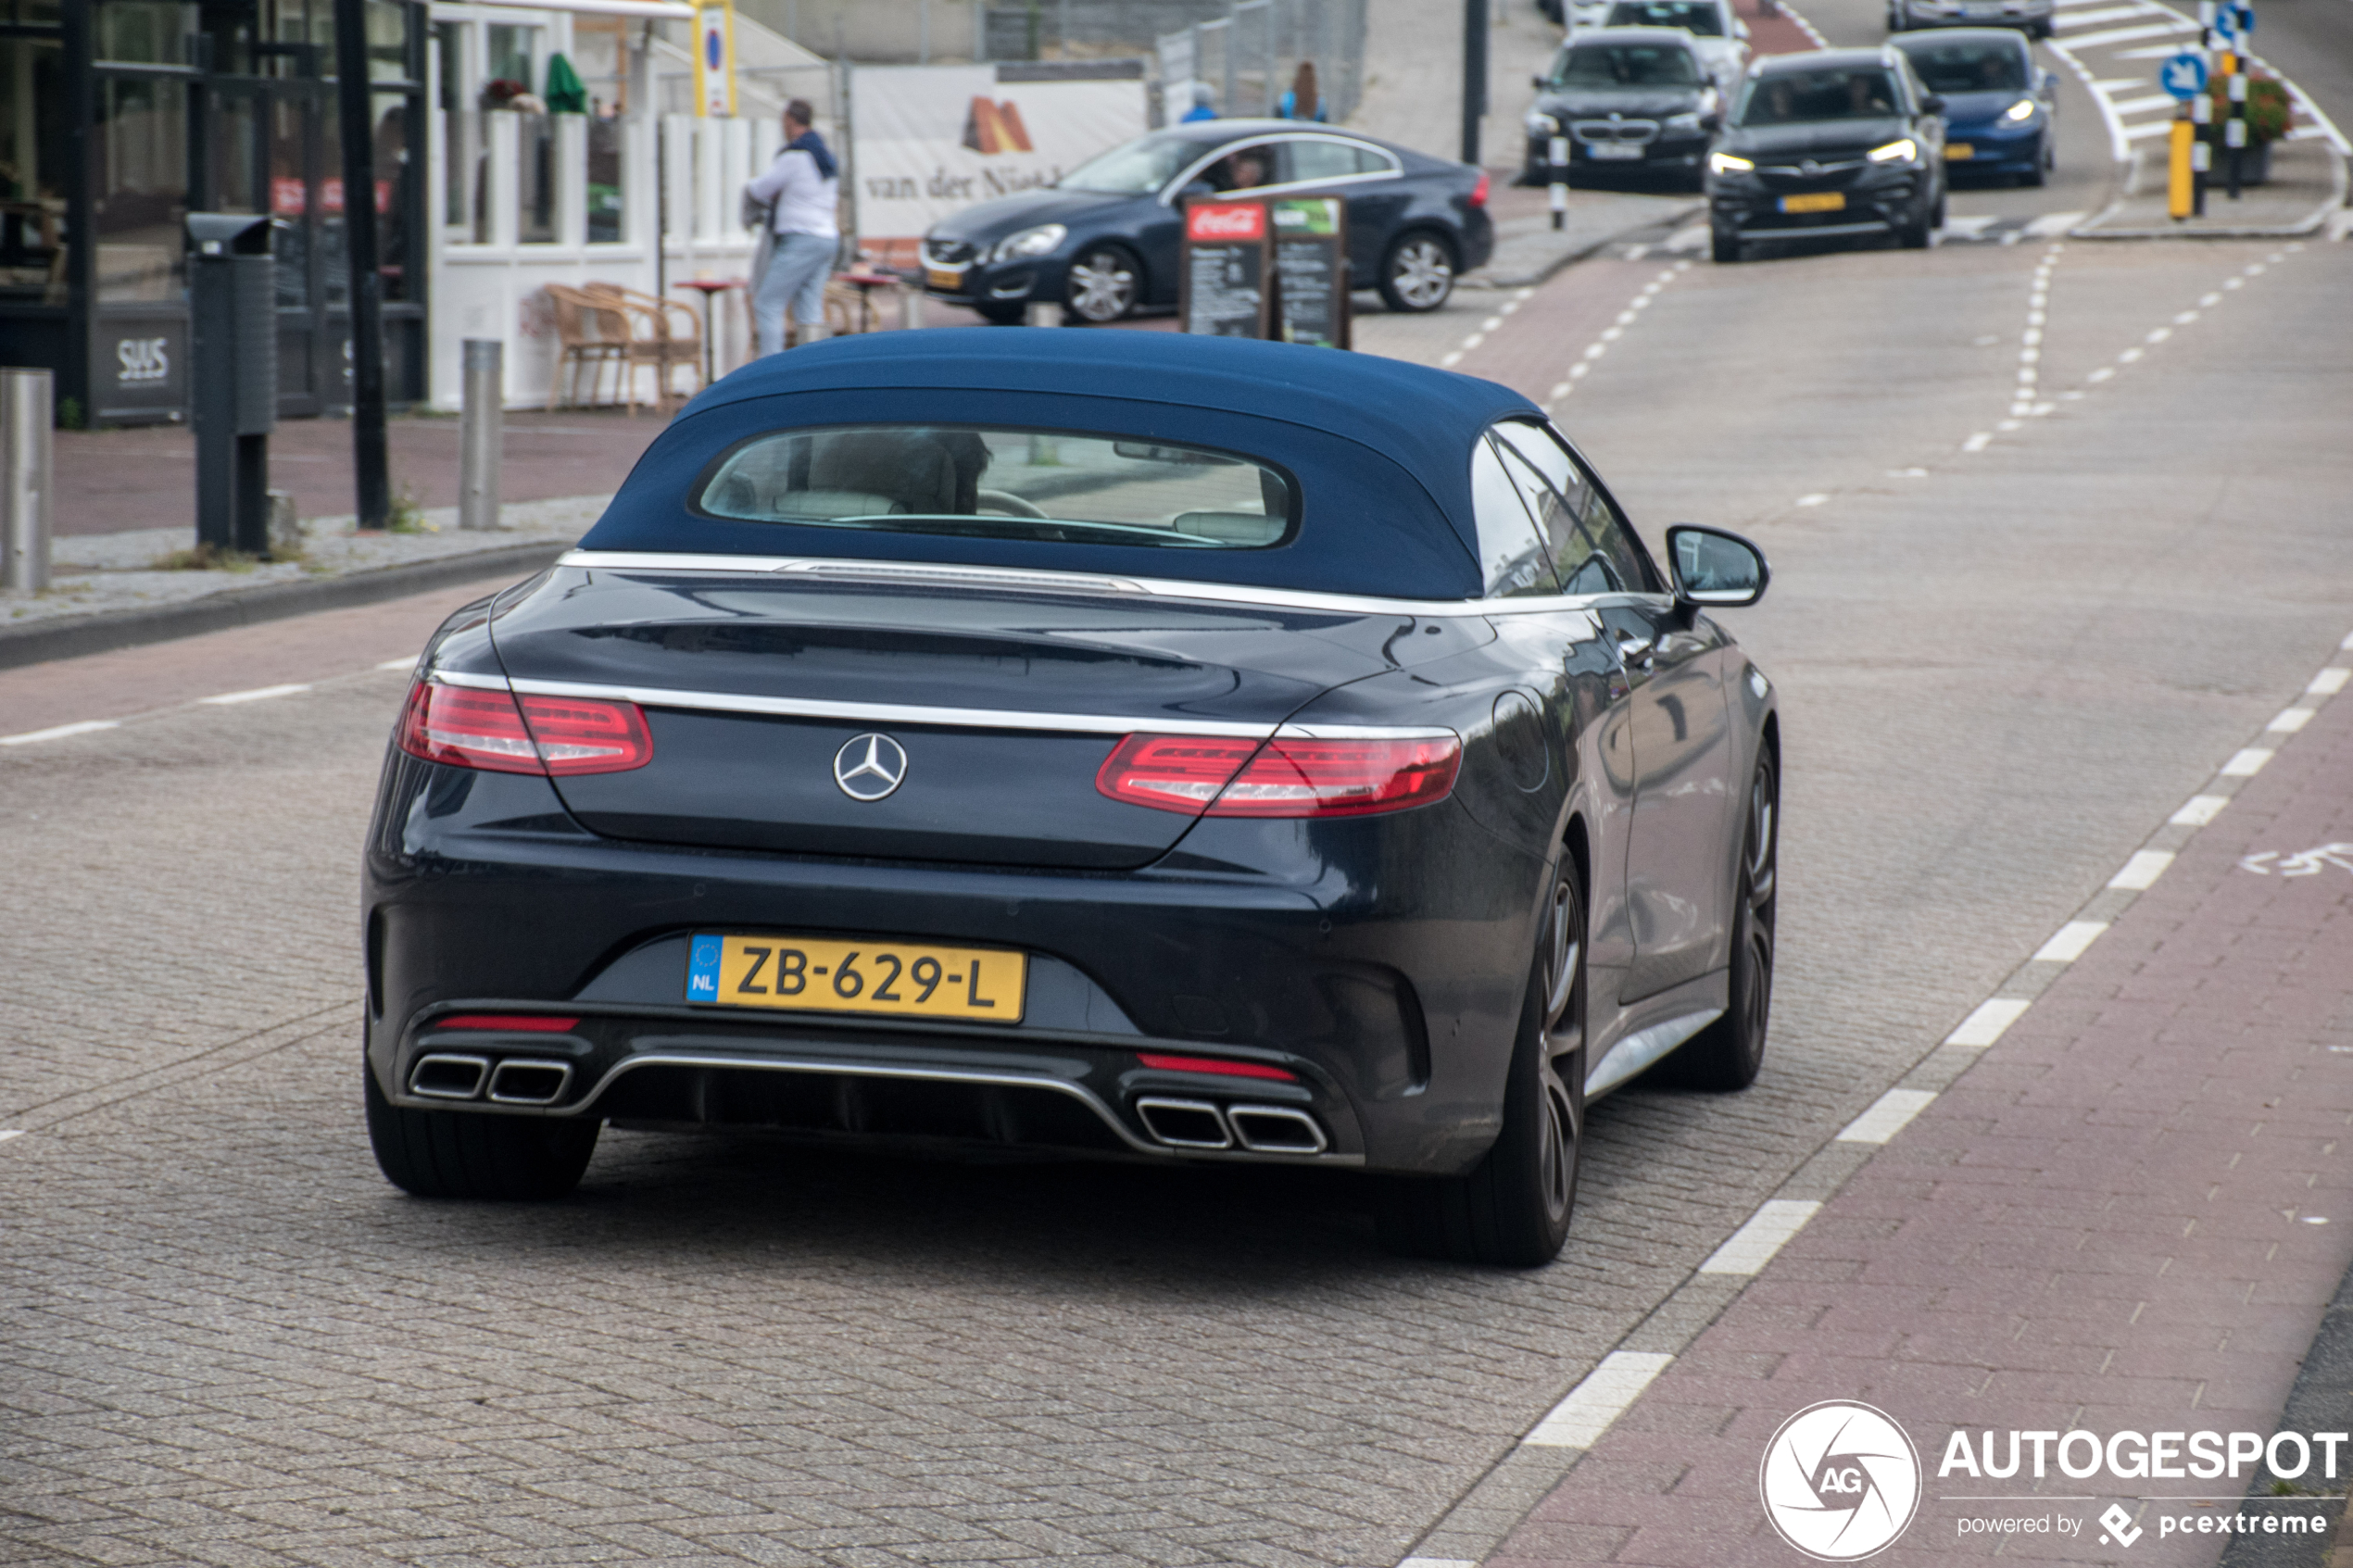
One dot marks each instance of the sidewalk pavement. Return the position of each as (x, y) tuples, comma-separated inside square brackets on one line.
[(2125, 1210), (2307, 183)]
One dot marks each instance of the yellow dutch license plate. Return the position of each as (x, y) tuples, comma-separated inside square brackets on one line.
[(1956, 151), (819, 974), (1817, 201), (939, 278)]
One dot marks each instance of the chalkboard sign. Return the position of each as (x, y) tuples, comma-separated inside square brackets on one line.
[(1223, 274), (1311, 270)]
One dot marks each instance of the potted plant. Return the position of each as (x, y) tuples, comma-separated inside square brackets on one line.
[(2267, 119)]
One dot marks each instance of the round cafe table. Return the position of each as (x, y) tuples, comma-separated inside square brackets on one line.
[(866, 281), (708, 288)]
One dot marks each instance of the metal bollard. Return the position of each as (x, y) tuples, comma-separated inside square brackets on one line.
[(1556, 192), (1043, 313), (481, 433), (910, 306), (26, 465)]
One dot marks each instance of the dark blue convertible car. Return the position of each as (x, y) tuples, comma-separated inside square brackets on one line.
[(1120, 744)]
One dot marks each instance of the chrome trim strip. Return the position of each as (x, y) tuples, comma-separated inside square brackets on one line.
[(1643, 1047), (986, 578), (468, 679)]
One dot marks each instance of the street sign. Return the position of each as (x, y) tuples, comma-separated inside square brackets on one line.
[(715, 57), (2183, 75)]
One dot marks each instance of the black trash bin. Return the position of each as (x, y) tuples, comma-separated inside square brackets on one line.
[(232, 311)]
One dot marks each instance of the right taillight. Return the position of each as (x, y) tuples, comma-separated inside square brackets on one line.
[(500, 732), (1289, 776)]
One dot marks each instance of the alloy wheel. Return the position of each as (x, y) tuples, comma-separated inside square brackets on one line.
[(1421, 273), (1102, 286)]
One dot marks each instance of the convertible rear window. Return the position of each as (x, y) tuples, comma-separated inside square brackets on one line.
[(989, 482)]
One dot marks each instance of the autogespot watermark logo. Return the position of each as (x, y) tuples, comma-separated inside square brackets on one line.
[(1839, 1481)]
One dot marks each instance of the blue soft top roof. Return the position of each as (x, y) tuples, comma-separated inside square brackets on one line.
[(1381, 448)]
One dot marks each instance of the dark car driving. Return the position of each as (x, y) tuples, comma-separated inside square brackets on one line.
[(1129, 746), (1104, 242), (1828, 144), (1998, 103), (1637, 104)]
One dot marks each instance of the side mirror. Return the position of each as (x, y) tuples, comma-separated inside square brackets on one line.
[(2048, 81), (1711, 123), (1739, 29), (1934, 103), (1712, 567), (1537, 81)]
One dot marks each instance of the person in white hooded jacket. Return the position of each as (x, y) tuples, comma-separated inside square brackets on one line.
[(797, 196)]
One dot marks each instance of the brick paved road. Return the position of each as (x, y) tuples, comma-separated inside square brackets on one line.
[(228, 1341)]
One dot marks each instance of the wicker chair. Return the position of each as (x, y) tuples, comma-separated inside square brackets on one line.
[(594, 334), (662, 333)]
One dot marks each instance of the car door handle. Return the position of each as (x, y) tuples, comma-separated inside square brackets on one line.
[(1634, 651)]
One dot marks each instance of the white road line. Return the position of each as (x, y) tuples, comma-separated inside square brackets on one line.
[(2052, 223), (1749, 1249), (1578, 1421), (1887, 1116), (1971, 226), (2329, 681), (8, 1133), (2141, 871), (2246, 764), (1438, 1563), (2348, 641), (409, 663), (2148, 105), (2287, 721), (1977, 443), (2108, 14), (2125, 35), (60, 732), (257, 695), (1985, 1025), (2148, 129), (1451, 360), (2195, 812), (2070, 941), (1816, 499)]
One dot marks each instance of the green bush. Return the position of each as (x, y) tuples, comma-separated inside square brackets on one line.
[(2267, 109)]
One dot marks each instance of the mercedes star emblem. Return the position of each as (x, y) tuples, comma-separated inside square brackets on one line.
[(1811, 167), (869, 767)]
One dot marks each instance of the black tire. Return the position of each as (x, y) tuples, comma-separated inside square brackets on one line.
[(1105, 283), (1417, 272), (1002, 312), (1936, 215), (1914, 234), (1723, 247), (1727, 1054), (1512, 1208), (476, 1154)]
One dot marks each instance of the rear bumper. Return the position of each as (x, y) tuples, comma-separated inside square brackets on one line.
[(1391, 1002)]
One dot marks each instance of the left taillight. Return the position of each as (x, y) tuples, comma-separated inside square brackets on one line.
[(1478, 192), (1289, 776), (503, 733)]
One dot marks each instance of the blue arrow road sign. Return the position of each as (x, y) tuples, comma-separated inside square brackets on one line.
[(2183, 76)]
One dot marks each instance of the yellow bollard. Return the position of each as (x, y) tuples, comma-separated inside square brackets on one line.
[(2180, 193)]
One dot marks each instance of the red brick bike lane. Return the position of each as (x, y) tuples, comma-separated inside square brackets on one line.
[(2126, 1214)]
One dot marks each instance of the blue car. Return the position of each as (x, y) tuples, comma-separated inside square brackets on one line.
[(1104, 242), (1073, 745), (1999, 103)]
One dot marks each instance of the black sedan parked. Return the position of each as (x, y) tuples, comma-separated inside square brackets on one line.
[(1830, 142), (1151, 747), (1104, 242), (1636, 104)]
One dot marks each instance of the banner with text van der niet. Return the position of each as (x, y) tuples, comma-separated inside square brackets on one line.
[(929, 141)]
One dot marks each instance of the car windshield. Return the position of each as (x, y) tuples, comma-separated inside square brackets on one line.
[(1965, 65), (1625, 65), (1699, 17), (987, 481), (1792, 97), (1137, 168)]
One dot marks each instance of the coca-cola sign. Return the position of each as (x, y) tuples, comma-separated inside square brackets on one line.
[(1225, 221)]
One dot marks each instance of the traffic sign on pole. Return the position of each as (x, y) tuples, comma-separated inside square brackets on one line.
[(2183, 75)]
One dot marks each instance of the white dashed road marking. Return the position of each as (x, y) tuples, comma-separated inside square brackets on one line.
[(258, 694), (2195, 812), (2141, 871), (1985, 1025), (2070, 941), (60, 732), (1578, 1421), (2246, 764), (1752, 1246), (1887, 1116)]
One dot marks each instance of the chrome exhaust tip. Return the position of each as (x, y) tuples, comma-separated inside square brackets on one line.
[(1275, 1129), (1185, 1123), (448, 1077), (524, 1080)]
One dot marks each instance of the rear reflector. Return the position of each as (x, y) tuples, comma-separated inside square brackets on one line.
[(1287, 777), (496, 731), (1478, 192), (1216, 1065), (522, 1024)]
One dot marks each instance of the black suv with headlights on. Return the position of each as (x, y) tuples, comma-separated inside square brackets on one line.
[(1636, 104), (1832, 143)]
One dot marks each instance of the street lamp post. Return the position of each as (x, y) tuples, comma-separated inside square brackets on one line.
[(1474, 74), (371, 466)]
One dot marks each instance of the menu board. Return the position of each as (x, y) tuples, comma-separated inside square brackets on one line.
[(1223, 273), (1311, 270)]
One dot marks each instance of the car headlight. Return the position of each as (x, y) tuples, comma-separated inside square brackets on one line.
[(1902, 150), (1725, 163), (1540, 124), (1030, 241), (2023, 110), (1683, 121)]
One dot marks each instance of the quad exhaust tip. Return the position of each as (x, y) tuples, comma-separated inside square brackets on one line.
[(516, 1081), (1261, 1129)]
